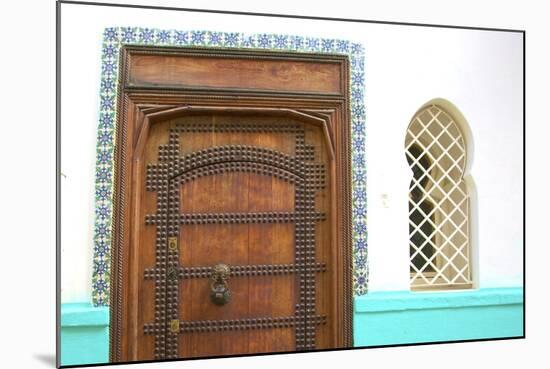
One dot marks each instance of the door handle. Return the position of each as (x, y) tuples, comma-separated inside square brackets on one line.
[(219, 288)]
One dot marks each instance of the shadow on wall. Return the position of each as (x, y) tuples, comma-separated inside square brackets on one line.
[(48, 359)]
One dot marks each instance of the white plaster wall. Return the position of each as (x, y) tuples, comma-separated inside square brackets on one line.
[(480, 72)]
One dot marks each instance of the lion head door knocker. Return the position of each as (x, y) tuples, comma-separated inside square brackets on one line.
[(219, 289)]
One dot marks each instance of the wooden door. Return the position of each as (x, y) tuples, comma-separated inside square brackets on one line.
[(231, 225), (247, 192)]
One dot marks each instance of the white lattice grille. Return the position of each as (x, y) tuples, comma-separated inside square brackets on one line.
[(438, 202)]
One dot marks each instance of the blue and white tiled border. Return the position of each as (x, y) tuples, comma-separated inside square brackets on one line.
[(115, 38)]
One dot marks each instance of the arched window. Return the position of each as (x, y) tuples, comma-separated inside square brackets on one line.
[(439, 237)]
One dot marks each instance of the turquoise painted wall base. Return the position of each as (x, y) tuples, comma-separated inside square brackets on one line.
[(380, 318), (389, 318), (84, 334)]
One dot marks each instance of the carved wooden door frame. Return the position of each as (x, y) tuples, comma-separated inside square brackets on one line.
[(141, 106)]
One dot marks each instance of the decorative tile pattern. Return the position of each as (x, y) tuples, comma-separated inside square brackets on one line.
[(114, 38)]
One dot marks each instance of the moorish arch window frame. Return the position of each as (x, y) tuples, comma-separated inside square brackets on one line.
[(439, 202)]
